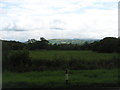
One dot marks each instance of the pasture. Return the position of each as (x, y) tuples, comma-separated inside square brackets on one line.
[(75, 60), (86, 69), (70, 54)]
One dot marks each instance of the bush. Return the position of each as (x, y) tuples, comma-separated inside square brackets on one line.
[(18, 61)]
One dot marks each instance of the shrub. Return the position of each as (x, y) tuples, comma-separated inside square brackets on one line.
[(19, 61)]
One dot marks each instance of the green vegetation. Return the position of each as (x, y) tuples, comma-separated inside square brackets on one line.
[(59, 60), (86, 69), (68, 55), (106, 45), (56, 79), (17, 61), (39, 64), (76, 60)]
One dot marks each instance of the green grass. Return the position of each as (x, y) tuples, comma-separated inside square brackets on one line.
[(76, 60), (68, 55), (87, 69), (56, 79), (61, 59)]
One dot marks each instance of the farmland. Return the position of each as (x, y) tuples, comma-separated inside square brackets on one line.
[(86, 69)]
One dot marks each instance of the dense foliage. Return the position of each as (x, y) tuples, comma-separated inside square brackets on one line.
[(108, 45), (17, 61)]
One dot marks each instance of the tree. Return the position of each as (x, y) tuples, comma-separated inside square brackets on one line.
[(106, 45), (43, 43)]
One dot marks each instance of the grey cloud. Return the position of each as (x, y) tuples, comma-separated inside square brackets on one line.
[(13, 30), (57, 22), (12, 27), (57, 28)]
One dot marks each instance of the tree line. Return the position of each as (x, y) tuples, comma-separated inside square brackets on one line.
[(106, 45)]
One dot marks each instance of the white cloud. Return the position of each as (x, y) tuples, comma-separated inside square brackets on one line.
[(2, 5), (58, 19)]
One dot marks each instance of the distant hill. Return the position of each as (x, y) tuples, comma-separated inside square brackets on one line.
[(72, 41)]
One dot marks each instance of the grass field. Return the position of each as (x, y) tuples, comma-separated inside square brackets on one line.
[(68, 55), (56, 79), (86, 69), (72, 59)]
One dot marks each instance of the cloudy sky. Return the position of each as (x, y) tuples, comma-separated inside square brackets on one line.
[(25, 19)]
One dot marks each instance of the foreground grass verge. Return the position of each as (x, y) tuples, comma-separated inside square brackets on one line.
[(56, 79)]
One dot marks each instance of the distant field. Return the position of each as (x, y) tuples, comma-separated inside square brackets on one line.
[(73, 41), (56, 79), (68, 55)]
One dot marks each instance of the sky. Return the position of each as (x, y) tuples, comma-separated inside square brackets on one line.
[(21, 20)]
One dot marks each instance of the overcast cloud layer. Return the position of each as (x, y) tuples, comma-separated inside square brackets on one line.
[(25, 19)]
